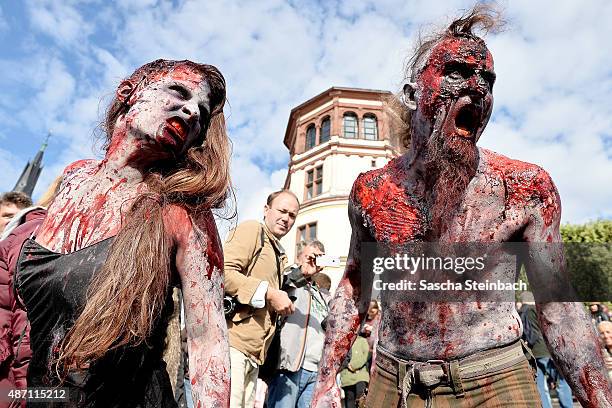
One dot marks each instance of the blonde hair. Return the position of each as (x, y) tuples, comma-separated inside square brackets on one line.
[(51, 192), (602, 325)]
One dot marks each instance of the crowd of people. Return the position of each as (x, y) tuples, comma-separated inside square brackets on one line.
[(90, 275)]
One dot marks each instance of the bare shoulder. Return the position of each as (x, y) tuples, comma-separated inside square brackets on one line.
[(527, 185), (78, 166), (522, 177), (75, 172), (373, 186), (191, 230), (181, 222)]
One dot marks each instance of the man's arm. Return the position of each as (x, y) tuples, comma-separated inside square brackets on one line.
[(240, 249), (199, 261), (348, 310), (565, 326), (238, 252)]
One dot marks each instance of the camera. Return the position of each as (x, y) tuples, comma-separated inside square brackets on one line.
[(327, 260), (293, 278), (229, 306)]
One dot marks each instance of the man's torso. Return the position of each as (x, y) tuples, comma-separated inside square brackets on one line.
[(495, 208)]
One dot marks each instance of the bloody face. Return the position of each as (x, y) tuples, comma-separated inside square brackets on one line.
[(456, 82), (172, 112)]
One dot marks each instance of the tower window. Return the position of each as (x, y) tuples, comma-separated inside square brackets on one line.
[(307, 232), (314, 182), (370, 127), (325, 130), (350, 125), (311, 134)]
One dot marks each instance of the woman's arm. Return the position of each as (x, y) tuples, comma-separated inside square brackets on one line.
[(199, 262)]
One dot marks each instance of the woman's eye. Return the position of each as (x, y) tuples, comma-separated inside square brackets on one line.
[(180, 91)]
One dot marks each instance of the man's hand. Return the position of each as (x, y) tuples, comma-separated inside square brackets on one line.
[(278, 301)]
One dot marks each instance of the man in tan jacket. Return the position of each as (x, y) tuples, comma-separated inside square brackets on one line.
[(254, 262)]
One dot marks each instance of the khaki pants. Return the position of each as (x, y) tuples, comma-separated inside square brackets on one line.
[(244, 372)]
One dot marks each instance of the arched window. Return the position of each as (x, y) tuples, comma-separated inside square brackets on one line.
[(311, 136), (370, 127), (325, 130), (350, 125)]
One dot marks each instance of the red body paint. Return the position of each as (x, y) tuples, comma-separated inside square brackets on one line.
[(527, 185), (389, 210), (593, 382)]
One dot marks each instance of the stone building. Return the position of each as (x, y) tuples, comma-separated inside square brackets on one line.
[(332, 138)]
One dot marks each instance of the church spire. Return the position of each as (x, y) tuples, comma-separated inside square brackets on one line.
[(31, 172)]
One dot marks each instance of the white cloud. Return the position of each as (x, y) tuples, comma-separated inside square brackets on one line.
[(59, 20), (113, 70), (552, 63), (58, 88)]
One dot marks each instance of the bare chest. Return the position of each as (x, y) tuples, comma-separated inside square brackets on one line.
[(87, 210), (393, 214)]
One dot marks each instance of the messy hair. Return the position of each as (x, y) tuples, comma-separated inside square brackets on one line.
[(126, 297), (485, 17)]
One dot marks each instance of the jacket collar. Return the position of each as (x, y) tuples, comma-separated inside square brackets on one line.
[(275, 243)]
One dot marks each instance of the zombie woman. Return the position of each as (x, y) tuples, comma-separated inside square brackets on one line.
[(97, 277)]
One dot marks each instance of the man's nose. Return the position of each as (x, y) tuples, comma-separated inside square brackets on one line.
[(480, 84)]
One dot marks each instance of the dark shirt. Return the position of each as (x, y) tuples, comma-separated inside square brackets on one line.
[(53, 287), (532, 333)]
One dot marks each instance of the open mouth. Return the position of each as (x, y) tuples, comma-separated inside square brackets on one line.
[(467, 121), (178, 127)]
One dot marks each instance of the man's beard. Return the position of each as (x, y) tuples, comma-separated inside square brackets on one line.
[(450, 164)]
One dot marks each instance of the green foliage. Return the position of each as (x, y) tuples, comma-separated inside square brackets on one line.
[(595, 232), (588, 254)]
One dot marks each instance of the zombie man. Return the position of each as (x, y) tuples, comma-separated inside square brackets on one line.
[(447, 190)]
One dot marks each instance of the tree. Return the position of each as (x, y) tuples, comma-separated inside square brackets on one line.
[(588, 254)]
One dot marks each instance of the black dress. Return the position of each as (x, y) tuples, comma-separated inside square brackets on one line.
[(53, 287)]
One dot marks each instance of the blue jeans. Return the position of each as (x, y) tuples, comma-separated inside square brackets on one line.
[(542, 364), (188, 396), (564, 391), (292, 390), (547, 367)]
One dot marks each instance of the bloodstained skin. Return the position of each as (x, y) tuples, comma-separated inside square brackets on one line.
[(503, 200), (96, 195)]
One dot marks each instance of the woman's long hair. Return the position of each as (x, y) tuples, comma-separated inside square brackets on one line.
[(128, 294)]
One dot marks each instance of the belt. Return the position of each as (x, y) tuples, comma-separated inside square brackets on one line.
[(431, 373)]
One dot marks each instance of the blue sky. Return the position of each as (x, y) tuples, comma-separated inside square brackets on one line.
[(62, 59)]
